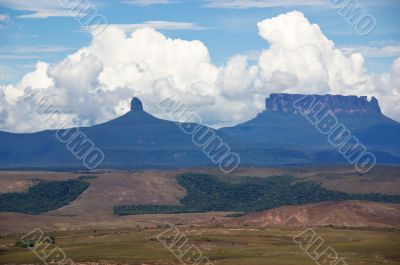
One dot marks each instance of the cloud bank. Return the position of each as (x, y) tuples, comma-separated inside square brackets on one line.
[(96, 83)]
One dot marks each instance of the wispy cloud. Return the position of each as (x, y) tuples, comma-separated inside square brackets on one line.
[(47, 14), (374, 52), (241, 4), (159, 25), (5, 73), (4, 17), (38, 8), (35, 52), (35, 49), (19, 57), (148, 2), (4, 20)]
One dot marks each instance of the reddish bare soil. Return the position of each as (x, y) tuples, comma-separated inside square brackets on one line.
[(347, 213)]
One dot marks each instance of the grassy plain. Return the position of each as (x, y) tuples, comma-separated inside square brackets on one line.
[(228, 245)]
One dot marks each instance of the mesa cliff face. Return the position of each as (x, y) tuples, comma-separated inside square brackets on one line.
[(285, 103)]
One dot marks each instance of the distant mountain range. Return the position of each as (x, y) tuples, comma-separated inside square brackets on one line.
[(280, 135), (282, 126)]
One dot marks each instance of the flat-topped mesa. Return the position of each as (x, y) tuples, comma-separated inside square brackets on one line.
[(284, 103), (136, 105)]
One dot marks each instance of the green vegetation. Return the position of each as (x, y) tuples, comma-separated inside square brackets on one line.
[(149, 209), (234, 215), (23, 244), (44, 196), (32, 243), (207, 193), (87, 177)]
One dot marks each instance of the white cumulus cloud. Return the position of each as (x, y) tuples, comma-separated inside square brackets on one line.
[(96, 83)]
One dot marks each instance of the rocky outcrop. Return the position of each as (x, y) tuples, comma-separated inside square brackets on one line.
[(136, 104), (285, 103)]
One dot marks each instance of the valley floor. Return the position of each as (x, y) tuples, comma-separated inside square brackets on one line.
[(89, 233), (229, 245)]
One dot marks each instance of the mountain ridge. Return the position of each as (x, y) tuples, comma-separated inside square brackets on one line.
[(277, 136)]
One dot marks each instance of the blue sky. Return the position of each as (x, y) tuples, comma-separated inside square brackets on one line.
[(43, 30)]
